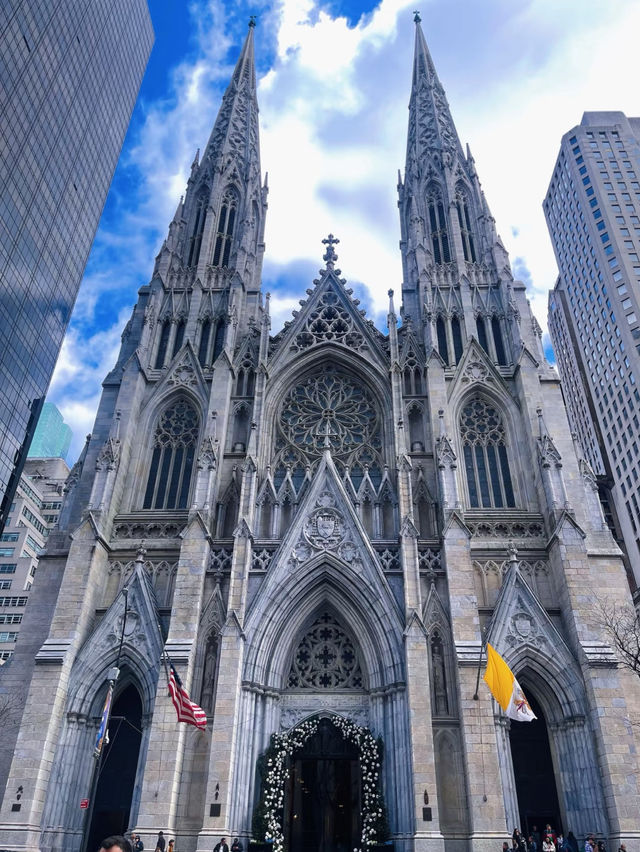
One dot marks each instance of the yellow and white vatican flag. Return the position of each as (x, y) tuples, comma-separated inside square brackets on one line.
[(505, 688)]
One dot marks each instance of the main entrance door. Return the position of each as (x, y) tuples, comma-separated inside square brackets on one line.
[(322, 799), (534, 775)]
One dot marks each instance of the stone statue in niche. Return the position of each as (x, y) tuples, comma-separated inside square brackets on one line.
[(441, 702), (209, 675)]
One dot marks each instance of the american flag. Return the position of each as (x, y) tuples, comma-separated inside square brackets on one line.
[(186, 709)]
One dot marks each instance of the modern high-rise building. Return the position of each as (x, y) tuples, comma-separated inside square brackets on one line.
[(69, 77), (320, 527), (592, 208), (52, 436)]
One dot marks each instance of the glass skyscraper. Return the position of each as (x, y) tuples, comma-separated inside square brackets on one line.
[(52, 436), (69, 78)]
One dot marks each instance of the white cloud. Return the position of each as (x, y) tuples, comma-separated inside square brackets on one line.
[(333, 130)]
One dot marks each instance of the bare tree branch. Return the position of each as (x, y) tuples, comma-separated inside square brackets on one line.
[(621, 622)]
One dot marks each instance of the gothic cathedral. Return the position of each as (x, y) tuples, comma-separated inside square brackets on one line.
[(321, 528)]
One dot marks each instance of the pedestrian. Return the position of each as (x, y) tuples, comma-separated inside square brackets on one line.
[(170, 846), (505, 847), (536, 837), (548, 845), (138, 845), (622, 848), (589, 844), (237, 846), (572, 842), (115, 843), (601, 846), (549, 831), (532, 846), (222, 846), (561, 843), (160, 842)]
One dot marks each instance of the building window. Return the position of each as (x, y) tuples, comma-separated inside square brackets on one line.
[(179, 338), (226, 226), (175, 440), (485, 456), (218, 341), (466, 233), (203, 349), (161, 355), (442, 340), (482, 333), (438, 225), (195, 242), (457, 338), (496, 330)]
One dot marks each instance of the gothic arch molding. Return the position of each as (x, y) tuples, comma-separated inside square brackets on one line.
[(151, 411), (324, 581)]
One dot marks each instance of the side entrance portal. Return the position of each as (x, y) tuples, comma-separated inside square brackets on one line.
[(322, 798)]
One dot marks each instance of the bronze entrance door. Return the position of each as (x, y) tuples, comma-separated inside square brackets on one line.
[(322, 801)]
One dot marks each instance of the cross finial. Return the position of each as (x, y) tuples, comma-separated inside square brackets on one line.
[(416, 17), (330, 255), (252, 20)]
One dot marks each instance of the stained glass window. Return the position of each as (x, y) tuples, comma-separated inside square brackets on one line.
[(174, 446), (485, 456), (325, 658)]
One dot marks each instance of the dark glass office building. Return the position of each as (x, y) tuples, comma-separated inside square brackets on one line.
[(69, 77)]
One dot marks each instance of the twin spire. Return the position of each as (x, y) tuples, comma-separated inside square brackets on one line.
[(431, 127)]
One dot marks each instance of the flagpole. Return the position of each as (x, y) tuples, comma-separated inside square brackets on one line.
[(112, 677), (483, 635)]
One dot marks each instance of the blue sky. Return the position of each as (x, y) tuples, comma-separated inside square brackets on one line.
[(334, 84)]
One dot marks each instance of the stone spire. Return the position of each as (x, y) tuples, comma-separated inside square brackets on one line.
[(431, 127), (235, 133)]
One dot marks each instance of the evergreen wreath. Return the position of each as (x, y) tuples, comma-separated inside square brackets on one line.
[(274, 764)]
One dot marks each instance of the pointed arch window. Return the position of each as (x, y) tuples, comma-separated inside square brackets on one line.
[(179, 338), (163, 343), (174, 446), (464, 221), (456, 333), (485, 456), (440, 242), (226, 227), (441, 332), (218, 340), (200, 215), (326, 658), (496, 330), (482, 333), (203, 348)]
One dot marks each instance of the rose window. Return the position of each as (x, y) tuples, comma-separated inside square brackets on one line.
[(330, 410), (325, 659)]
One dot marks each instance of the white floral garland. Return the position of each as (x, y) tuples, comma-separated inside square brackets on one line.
[(277, 771)]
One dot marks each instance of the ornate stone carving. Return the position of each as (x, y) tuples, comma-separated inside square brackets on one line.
[(109, 455), (261, 559), (183, 376), (299, 707), (331, 409), (390, 558), (523, 627), (476, 371), (329, 321), (506, 529), (220, 560), (325, 659), (429, 560), (324, 529), (147, 529), (208, 456)]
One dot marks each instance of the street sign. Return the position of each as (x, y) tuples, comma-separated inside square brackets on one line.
[(84, 804)]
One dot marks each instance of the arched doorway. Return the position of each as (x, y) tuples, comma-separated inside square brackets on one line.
[(534, 773), (114, 792), (322, 797)]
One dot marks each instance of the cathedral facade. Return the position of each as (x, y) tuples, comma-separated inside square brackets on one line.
[(323, 527)]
